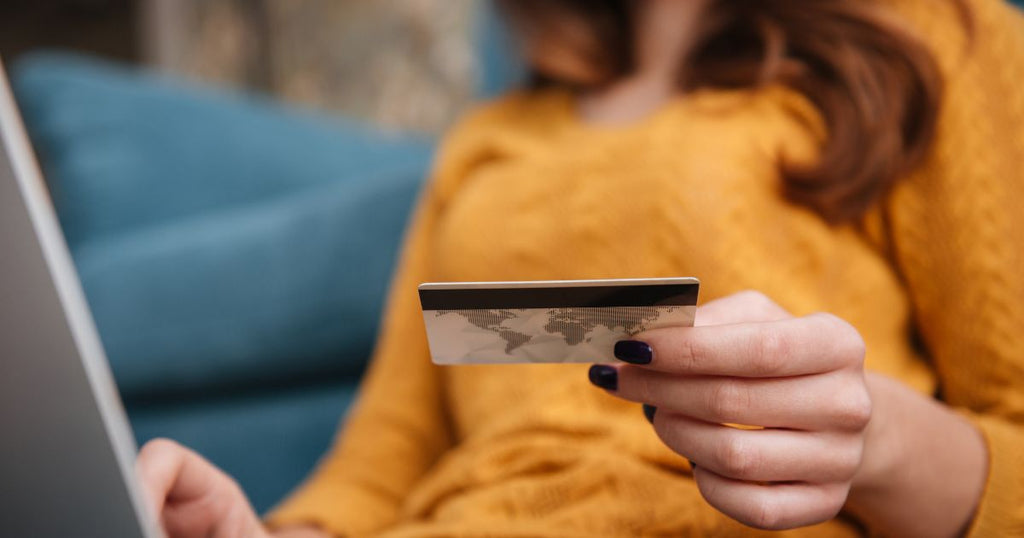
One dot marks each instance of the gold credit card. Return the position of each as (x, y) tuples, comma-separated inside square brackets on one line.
[(550, 321)]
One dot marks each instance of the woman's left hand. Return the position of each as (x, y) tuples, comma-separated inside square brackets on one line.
[(800, 379)]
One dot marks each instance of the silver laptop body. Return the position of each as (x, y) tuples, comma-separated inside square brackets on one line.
[(66, 451)]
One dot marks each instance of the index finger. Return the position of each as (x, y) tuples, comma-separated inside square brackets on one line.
[(789, 347)]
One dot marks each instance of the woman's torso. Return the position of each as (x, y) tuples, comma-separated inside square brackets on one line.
[(692, 190)]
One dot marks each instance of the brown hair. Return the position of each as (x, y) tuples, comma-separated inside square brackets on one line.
[(877, 86)]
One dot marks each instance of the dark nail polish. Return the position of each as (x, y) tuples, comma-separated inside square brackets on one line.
[(604, 376), (633, 352), (649, 411)]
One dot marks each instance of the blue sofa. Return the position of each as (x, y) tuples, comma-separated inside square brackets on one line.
[(234, 251)]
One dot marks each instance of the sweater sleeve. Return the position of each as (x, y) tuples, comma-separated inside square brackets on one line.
[(957, 228)]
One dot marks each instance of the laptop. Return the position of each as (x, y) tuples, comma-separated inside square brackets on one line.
[(67, 454)]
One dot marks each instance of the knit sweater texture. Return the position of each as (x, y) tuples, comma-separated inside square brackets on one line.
[(525, 190)]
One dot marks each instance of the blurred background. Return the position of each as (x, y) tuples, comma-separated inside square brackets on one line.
[(348, 56), (233, 178)]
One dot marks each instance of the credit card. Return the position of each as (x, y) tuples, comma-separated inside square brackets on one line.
[(553, 321)]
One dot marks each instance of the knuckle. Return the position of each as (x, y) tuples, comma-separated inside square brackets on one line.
[(728, 398), (771, 350), (761, 304), (853, 344), (853, 411), (773, 513), (738, 459), (845, 336)]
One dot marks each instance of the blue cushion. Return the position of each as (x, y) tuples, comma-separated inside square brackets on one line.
[(284, 291), (124, 150), (223, 242)]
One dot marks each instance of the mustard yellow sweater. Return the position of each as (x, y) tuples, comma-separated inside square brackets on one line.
[(523, 190)]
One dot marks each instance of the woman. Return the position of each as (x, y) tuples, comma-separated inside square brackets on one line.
[(843, 156)]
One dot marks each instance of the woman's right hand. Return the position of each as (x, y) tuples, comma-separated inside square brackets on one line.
[(193, 498)]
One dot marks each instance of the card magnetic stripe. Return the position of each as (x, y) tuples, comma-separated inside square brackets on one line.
[(561, 297)]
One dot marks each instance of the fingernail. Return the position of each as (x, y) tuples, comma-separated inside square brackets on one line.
[(633, 352), (604, 376), (649, 411)]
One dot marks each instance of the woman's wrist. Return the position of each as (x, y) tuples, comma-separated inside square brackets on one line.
[(924, 466), (884, 450)]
